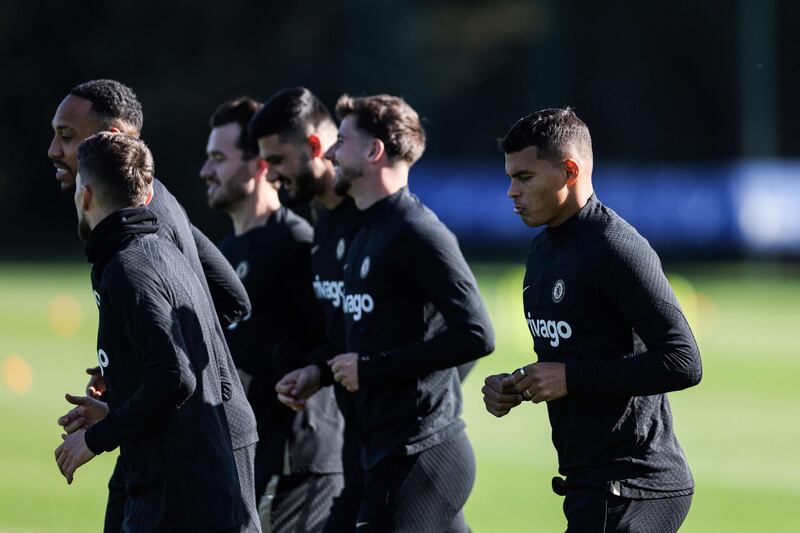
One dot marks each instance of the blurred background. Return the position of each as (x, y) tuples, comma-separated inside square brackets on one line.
[(694, 117)]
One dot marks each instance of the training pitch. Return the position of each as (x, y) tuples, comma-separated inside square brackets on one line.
[(740, 427)]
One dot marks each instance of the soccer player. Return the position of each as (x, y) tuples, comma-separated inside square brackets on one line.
[(108, 105), (294, 130), (412, 313), (160, 353), (271, 250), (610, 339)]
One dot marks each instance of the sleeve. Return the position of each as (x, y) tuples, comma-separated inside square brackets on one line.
[(150, 324), (630, 275), (436, 267), (227, 291)]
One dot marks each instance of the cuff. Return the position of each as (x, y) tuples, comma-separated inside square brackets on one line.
[(94, 440)]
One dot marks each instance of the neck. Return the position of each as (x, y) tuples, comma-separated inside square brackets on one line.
[(327, 198), (96, 216), (254, 211), (368, 190), (574, 203)]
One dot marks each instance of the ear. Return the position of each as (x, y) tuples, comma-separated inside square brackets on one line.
[(149, 196), (86, 196), (114, 129), (316, 146), (571, 169), (259, 169), (376, 150)]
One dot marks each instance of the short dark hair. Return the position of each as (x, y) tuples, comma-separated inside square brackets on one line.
[(120, 168), (238, 111), (552, 131), (390, 119), (112, 102), (290, 112)]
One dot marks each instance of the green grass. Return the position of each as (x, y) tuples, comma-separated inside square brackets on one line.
[(740, 428)]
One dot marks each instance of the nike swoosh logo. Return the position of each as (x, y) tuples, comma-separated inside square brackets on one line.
[(314, 249), (525, 289)]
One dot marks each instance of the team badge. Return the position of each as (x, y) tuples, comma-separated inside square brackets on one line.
[(243, 269), (365, 268), (340, 249), (558, 291), (96, 298)]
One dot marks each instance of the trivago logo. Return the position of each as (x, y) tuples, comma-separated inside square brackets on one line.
[(355, 304), (549, 329), (329, 290)]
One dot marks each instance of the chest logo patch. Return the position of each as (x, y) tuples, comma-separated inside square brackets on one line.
[(243, 269), (558, 291), (364, 268), (340, 249)]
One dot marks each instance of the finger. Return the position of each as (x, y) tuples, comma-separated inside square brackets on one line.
[(93, 392), (523, 383), (62, 460), (77, 400), (70, 470), (94, 371), (499, 396), (75, 425), (497, 412), (285, 386), (67, 418)]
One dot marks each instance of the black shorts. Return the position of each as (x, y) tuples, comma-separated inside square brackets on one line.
[(590, 510), (419, 493)]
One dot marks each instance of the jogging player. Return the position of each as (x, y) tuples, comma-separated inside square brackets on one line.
[(108, 105), (299, 454), (294, 131), (610, 339), (160, 353), (412, 313)]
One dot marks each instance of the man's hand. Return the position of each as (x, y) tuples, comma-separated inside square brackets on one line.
[(72, 454), (246, 380), (297, 386), (499, 394), (345, 370), (541, 382), (97, 383), (85, 415)]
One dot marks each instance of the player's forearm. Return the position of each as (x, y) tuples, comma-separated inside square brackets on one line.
[(150, 406), (673, 367), (227, 291), (450, 348)]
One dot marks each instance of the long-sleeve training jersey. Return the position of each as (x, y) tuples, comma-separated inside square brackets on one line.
[(596, 299), (223, 289), (163, 360), (412, 312), (273, 261)]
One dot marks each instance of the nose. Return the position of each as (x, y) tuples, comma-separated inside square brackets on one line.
[(205, 170), (512, 190), (55, 150)]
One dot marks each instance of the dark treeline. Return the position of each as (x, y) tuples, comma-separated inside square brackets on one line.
[(654, 81)]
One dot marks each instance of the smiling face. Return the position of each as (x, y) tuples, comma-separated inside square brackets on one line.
[(72, 123), (538, 188), (290, 163), (349, 154), (228, 176)]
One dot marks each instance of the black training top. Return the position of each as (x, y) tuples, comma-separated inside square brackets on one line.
[(333, 231), (221, 285), (273, 262), (596, 298), (163, 361), (412, 313)]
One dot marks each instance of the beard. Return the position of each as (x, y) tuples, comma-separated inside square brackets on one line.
[(306, 187), (344, 179), (83, 228), (231, 192)]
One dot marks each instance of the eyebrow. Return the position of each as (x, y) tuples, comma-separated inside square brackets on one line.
[(520, 173)]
